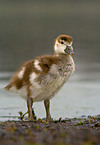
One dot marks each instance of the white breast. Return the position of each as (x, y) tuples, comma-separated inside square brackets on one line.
[(53, 81)]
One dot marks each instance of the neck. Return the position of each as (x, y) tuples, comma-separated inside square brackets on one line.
[(62, 54)]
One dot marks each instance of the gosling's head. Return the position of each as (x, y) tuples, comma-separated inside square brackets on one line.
[(63, 45)]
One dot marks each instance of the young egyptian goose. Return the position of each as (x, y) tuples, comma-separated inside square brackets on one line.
[(41, 78)]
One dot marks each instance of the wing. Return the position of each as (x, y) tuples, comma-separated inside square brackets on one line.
[(32, 70)]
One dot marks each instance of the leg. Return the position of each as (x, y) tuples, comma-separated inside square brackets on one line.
[(29, 106), (47, 106)]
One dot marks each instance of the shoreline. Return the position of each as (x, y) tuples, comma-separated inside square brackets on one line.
[(76, 131)]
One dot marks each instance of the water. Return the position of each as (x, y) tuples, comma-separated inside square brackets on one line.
[(79, 96)]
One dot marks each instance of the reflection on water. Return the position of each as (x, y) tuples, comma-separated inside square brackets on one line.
[(79, 96)]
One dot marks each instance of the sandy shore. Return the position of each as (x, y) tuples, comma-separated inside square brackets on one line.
[(77, 131)]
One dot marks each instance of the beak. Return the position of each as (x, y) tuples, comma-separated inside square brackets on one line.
[(69, 50)]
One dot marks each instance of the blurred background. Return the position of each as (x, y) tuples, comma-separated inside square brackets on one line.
[(29, 28)]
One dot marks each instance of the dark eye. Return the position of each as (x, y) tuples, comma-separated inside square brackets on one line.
[(62, 42)]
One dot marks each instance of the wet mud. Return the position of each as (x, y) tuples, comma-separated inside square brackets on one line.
[(77, 131)]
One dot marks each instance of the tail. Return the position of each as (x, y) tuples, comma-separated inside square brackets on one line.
[(8, 87)]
